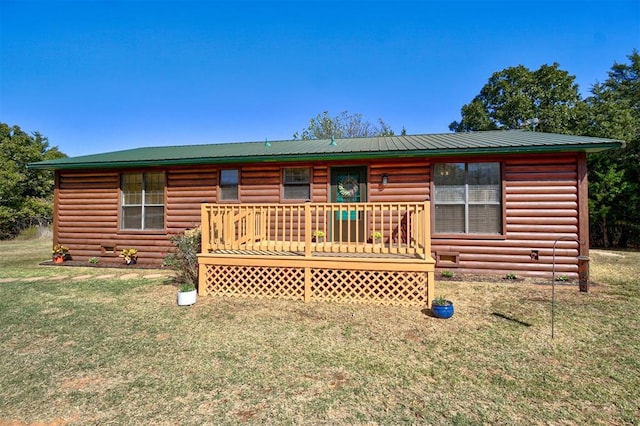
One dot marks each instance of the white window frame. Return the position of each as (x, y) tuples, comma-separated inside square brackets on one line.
[(467, 202), (143, 204)]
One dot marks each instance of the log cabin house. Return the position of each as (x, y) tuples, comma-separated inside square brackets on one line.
[(345, 219)]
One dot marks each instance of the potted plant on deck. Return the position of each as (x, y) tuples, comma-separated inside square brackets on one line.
[(318, 236), (59, 253), (442, 307)]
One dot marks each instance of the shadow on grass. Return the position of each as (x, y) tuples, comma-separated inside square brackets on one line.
[(508, 318), (427, 312)]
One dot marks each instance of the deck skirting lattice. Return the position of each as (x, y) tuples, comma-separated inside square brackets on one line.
[(254, 282), (384, 287), (380, 287)]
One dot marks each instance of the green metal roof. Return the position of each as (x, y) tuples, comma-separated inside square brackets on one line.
[(446, 144)]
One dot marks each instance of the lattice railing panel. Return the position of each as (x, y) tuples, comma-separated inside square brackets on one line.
[(255, 282), (380, 287)]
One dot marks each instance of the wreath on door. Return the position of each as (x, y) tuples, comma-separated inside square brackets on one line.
[(348, 187)]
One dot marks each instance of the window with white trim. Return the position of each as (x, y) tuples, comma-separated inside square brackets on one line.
[(142, 201), (296, 183), (468, 198), (229, 179)]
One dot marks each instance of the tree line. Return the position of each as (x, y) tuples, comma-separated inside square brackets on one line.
[(546, 99), (26, 196)]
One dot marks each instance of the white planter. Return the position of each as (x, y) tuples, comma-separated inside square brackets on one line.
[(187, 298)]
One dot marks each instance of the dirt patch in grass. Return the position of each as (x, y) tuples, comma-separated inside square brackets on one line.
[(83, 383)]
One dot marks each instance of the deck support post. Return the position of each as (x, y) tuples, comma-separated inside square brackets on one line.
[(426, 228), (205, 229), (307, 284), (307, 251), (307, 228), (431, 287), (202, 282)]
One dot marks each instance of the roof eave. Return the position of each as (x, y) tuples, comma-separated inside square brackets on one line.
[(589, 148)]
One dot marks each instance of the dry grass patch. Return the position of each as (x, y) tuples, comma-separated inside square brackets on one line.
[(114, 351)]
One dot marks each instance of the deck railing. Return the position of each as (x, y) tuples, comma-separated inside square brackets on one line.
[(311, 228)]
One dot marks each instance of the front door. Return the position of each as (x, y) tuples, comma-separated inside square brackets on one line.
[(348, 185)]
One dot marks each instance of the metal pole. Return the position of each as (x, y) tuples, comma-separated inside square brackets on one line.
[(553, 281)]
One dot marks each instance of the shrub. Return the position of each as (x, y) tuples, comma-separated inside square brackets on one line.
[(28, 233), (440, 301), (187, 287), (184, 258)]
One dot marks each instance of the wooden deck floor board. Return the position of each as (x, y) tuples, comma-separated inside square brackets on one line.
[(314, 254)]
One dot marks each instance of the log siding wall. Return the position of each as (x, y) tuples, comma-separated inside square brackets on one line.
[(541, 202), (540, 205)]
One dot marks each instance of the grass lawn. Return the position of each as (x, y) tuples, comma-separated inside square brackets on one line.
[(117, 350)]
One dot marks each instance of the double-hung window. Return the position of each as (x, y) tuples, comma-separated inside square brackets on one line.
[(296, 183), (142, 201), (468, 198), (229, 179)]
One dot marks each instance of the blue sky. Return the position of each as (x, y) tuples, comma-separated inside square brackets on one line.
[(98, 76)]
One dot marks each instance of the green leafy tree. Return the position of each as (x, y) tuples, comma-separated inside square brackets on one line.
[(517, 97), (548, 98), (613, 110), (606, 186), (25, 195), (343, 125)]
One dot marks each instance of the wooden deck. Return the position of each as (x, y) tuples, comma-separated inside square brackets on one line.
[(337, 254), (275, 251)]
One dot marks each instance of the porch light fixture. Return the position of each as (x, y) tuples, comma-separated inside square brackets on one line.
[(385, 179)]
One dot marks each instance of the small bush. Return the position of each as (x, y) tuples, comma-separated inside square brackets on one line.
[(187, 287), (94, 260), (28, 233), (440, 301), (184, 258), (448, 274), (511, 276)]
